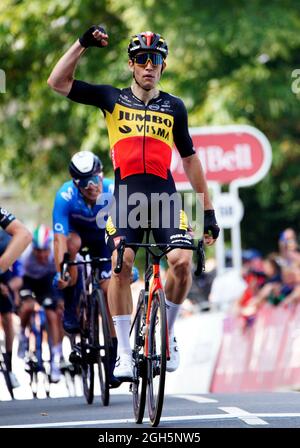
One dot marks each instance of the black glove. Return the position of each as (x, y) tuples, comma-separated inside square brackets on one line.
[(211, 227), (88, 40)]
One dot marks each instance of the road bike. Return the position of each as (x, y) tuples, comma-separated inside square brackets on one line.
[(95, 342), (36, 363), (150, 329)]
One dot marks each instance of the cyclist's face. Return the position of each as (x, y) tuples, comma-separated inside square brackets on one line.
[(42, 255), (147, 75), (92, 192)]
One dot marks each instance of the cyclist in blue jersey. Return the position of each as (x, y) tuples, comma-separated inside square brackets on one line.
[(39, 270), (76, 224)]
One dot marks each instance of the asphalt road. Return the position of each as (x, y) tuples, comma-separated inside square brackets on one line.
[(253, 410)]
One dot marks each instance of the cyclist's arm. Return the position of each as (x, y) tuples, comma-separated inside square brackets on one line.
[(21, 238), (60, 248), (194, 171), (191, 163), (62, 76), (60, 218), (61, 211)]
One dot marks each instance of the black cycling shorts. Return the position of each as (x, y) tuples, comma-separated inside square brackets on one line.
[(6, 303), (147, 201), (41, 290)]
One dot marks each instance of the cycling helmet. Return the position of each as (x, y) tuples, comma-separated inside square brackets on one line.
[(85, 164), (42, 237), (147, 41)]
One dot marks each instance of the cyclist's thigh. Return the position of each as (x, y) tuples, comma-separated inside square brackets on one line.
[(177, 231), (43, 291), (104, 285)]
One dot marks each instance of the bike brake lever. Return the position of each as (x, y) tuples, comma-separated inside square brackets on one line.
[(64, 267), (120, 250), (200, 259)]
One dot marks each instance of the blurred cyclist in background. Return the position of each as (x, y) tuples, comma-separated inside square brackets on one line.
[(39, 270), (11, 249)]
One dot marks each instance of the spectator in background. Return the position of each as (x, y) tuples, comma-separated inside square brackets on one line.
[(294, 296), (288, 247), (254, 277), (273, 282)]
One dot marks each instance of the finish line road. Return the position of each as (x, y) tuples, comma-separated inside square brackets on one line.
[(252, 410)]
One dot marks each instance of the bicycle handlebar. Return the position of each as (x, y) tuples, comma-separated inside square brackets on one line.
[(199, 251), (64, 266), (120, 249), (66, 263)]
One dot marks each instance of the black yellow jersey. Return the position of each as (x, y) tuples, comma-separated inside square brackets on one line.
[(141, 136)]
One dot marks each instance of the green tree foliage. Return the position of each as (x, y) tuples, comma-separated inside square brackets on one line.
[(231, 61), (40, 129)]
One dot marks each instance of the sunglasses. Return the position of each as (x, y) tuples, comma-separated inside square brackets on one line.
[(89, 181), (143, 58)]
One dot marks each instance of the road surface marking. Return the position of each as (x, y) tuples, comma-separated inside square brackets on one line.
[(163, 419), (196, 398), (247, 417)]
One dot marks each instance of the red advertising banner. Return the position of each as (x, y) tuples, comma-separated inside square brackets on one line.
[(237, 153)]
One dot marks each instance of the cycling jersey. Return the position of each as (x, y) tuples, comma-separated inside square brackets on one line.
[(37, 279), (72, 213), (141, 136), (33, 268), (5, 218)]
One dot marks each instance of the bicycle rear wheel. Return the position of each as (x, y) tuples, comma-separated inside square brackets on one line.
[(101, 342), (87, 364), (139, 385), (157, 358)]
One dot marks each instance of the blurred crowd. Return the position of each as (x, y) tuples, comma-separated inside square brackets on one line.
[(273, 279)]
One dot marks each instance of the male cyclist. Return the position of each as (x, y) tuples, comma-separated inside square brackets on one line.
[(75, 223), (10, 250), (143, 123), (39, 270)]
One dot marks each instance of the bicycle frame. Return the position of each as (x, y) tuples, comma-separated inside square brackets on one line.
[(152, 273), (149, 358), (154, 284)]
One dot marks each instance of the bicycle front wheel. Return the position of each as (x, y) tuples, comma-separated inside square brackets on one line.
[(139, 384), (87, 363), (102, 342), (157, 357)]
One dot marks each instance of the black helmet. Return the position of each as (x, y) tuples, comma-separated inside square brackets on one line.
[(147, 41), (85, 164)]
